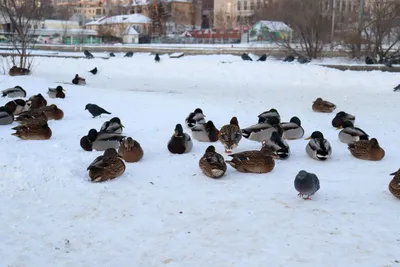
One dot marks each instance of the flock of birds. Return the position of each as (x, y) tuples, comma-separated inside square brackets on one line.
[(34, 113)]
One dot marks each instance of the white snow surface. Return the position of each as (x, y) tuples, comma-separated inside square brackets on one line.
[(163, 211)]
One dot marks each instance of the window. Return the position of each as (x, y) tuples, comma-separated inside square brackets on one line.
[(326, 6), (258, 4), (245, 5), (238, 5), (344, 6), (338, 5), (252, 5)]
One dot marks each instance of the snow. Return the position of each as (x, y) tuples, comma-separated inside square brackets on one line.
[(163, 211), (131, 19)]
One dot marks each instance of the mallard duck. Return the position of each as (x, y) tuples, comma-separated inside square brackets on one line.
[(292, 130), (323, 106), (351, 134), (262, 131), (52, 112), (277, 145), (230, 135), (341, 117), (37, 101), (15, 71), (267, 115), (57, 92), (180, 142), (318, 148), (196, 117), (100, 141), (130, 150), (394, 185), (32, 117), (205, 132), (6, 116), (106, 167), (36, 131), (253, 161), (212, 164), (112, 126), (16, 106), (367, 150), (16, 91), (78, 80)]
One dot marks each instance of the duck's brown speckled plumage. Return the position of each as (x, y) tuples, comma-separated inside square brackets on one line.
[(32, 117), (37, 101), (230, 135), (35, 131), (212, 164), (15, 71), (323, 106), (106, 167), (367, 150), (394, 185), (52, 112), (130, 150), (253, 161)]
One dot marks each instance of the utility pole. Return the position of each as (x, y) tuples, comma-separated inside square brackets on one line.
[(360, 27), (333, 22)]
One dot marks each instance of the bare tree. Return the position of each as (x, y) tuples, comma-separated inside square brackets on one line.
[(23, 18), (311, 29), (224, 21)]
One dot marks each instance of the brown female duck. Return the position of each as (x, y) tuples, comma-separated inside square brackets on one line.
[(394, 185), (323, 106), (212, 164), (37, 101), (253, 161), (367, 150), (32, 117), (130, 150), (37, 131), (106, 167), (15, 71), (230, 135), (52, 112)]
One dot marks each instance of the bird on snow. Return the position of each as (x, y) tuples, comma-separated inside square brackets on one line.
[(212, 164), (351, 134), (129, 54), (95, 110), (307, 184), (194, 118), (130, 150), (57, 92), (303, 60), (289, 58), (6, 116), (16, 106), (15, 71), (205, 132), (88, 54), (94, 71), (17, 91), (180, 142), (394, 184), (100, 141), (292, 130), (262, 131), (37, 101), (106, 167), (367, 150), (112, 54), (246, 57), (35, 131), (112, 126), (276, 144), (266, 115), (78, 80), (157, 58), (341, 117), (397, 88), (230, 135), (262, 58), (323, 106), (318, 148)]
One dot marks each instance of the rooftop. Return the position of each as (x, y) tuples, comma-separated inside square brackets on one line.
[(131, 19)]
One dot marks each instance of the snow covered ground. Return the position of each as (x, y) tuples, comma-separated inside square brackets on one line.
[(163, 211)]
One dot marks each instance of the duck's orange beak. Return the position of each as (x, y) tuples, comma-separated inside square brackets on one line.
[(308, 138)]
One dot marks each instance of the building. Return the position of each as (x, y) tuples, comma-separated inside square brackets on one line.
[(130, 36), (183, 15), (116, 26), (90, 10)]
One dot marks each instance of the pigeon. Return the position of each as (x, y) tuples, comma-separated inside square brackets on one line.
[(397, 88), (303, 60), (17, 91), (129, 54), (289, 58), (369, 61), (246, 57), (94, 71), (112, 54), (95, 110), (307, 184), (262, 58), (157, 58), (88, 54)]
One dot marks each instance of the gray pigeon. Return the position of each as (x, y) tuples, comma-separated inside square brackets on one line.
[(307, 184), (95, 110)]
